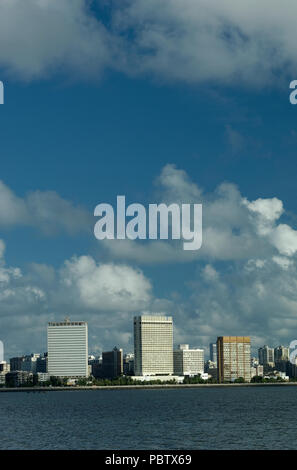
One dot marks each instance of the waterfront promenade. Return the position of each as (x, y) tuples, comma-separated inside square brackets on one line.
[(133, 387)]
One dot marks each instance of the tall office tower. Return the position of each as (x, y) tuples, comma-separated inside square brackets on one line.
[(188, 361), (128, 364), (67, 348), (112, 363), (29, 363), (281, 354), (41, 363), (281, 358), (266, 356), (234, 358), (213, 352), (16, 363), (153, 345)]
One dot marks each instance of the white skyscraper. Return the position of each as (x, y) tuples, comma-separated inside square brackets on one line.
[(153, 345), (188, 361), (68, 348)]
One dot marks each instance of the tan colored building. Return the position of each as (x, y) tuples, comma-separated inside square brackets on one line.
[(234, 358)]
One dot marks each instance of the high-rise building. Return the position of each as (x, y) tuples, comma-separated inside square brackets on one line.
[(67, 348), (153, 345), (41, 363), (233, 358), (128, 364), (281, 358), (16, 363), (96, 367), (29, 363), (112, 363), (188, 361), (213, 352), (281, 353), (266, 356)]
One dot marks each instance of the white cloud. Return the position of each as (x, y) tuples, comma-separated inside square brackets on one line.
[(284, 238), (217, 41), (39, 37), (234, 228), (268, 209), (197, 41), (245, 281), (209, 273), (105, 286), (282, 261), (44, 210), (107, 295), (175, 183)]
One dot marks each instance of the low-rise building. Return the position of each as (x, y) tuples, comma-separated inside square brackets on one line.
[(17, 378), (161, 378), (4, 369), (257, 370), (188, 361), (43, 377)]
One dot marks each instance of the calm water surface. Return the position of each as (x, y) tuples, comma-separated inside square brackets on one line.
[(216, 418)]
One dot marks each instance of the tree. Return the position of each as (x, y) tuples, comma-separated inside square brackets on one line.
[(240, 380), (257, 379)]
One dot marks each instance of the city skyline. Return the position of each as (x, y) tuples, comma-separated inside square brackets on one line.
[(154, 358), (211, 349)]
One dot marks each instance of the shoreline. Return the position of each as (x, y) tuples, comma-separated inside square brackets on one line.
[(139, 387)]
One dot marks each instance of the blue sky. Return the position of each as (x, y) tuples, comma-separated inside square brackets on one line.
[(92, 142), (99, 111)]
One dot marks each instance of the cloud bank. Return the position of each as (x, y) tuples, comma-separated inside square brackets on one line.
[(197, 41), (242, 281), (234, 228), (44, 210)]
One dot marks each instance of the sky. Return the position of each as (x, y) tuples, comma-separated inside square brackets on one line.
[(184, 102)]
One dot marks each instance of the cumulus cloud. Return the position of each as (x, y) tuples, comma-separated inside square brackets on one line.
[(244, 281), (107, 295), (234, 228), (285, 239), (197, 41), (246, 272), (105, 286), (45, 210), (39, 37), (252, 298), (219, 41)]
